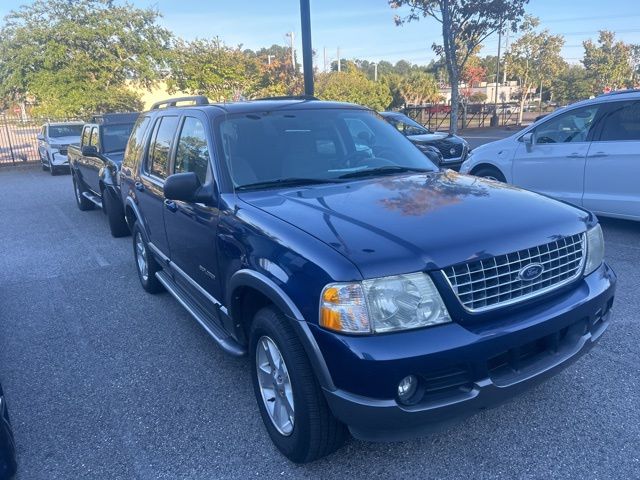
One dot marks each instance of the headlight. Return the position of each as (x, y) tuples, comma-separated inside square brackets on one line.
[(595, 249), (385, 304)]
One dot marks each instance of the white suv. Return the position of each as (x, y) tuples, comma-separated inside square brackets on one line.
[(53, 141), (587, 154)]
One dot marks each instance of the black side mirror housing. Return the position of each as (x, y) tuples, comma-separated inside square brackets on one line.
[(185, 187), (89, 150)]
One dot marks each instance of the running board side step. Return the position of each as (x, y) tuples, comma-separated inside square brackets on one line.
[(93, 198), (227, 343)]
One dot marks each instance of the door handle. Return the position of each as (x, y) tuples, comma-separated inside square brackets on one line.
[(171, 205), (598, 155), (575, 155), (139, 186)]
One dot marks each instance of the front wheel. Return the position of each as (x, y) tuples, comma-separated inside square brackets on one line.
[(146, 264), (291, 402), (490, 173)]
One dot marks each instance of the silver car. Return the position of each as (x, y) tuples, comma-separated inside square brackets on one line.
[(53, 141)]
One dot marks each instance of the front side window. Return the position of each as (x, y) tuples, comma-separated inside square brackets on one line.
[(622, 122), (161, 146), (94, 137), (315, 145), (192, 153), (86, 136), (571, 127)]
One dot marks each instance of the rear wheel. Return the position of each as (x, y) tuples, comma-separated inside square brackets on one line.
[(290, 400), (115, 214), (490, 173), (146, 264), (78, 189)]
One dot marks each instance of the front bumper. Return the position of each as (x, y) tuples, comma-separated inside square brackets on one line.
[(59, 160), (463, 371)]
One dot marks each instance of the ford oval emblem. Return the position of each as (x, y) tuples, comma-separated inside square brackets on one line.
[(531, 272)]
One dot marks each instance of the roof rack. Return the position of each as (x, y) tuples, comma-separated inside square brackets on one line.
[(111, 118), (290, 97), (620, 92), (172, 102)]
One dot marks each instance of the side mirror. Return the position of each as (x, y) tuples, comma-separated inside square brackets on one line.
[(528, 139), (40, 137), (89, 151), (184, 187)]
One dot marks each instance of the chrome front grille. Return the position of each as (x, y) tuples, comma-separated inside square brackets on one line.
[(495, 282)]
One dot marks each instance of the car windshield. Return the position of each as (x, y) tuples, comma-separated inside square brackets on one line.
[(406, 125), (57, 131), (115, 137), (297, 147)]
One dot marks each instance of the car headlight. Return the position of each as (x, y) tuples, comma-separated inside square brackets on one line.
[(595, 249), (387, 304)]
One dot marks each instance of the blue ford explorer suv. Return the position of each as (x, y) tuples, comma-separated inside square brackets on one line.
[(371, 292)]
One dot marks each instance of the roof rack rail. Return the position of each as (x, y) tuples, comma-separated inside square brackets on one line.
[(620, 92), (172, 102), (289, 97)]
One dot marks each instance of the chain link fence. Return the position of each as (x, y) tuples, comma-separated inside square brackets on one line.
[(19, 138)]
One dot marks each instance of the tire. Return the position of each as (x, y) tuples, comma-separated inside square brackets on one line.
[(52, 168), (146, 276), (83, 203), (115, 214), (490, 173), (314, 431)]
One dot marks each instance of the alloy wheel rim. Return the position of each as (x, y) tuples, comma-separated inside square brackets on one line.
[(141, 257), (275, 385)]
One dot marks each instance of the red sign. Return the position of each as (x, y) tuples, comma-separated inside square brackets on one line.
[(17, 110)]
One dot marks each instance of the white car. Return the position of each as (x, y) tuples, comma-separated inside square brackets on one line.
[(587, 154), (53, 140)]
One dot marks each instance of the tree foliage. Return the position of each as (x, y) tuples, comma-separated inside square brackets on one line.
[(351, 85), (418, 88), (572, 84), (535, 58), (608, 62), (76, 58), (465, 25)]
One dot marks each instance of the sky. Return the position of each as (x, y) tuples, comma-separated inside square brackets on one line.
[(365, 28)]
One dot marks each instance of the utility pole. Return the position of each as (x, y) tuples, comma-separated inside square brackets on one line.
[(494, 118), (338, 58), (269, 59), (375, 72), (504, 67), (324, 55), (291, 36), (307, 50)]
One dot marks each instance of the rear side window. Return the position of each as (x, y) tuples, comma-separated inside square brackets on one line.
[(192, 153), (622, 122), (136, 142), (158, 158)]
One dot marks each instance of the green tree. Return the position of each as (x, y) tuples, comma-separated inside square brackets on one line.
[(534, 58), (78, 57), (465, 25), (608, 62), (207, 67), (572, 84), (351, 85), (418, 88)]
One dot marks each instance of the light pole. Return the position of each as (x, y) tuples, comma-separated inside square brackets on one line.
[(307, 51), (375, 72)]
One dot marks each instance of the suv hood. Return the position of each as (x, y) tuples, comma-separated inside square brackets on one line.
[(414, 222), (430, 137)]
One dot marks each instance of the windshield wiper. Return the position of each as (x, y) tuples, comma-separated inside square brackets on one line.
[(382, 170), (285, 182)]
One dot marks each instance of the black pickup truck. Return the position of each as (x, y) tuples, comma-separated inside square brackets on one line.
[(95, 166)]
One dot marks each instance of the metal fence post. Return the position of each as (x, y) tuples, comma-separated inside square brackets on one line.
[(6, 128)]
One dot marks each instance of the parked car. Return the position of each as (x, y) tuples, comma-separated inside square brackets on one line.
[(452, 149), (8, 462), (53, 141), (369, 289), (586, 154), (95, 164)]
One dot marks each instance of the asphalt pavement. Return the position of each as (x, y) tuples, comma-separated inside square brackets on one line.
[(106, 381)]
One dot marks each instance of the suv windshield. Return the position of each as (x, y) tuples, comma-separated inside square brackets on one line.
[(57, 131), (297, 147), (407, 126), (115, 137)]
